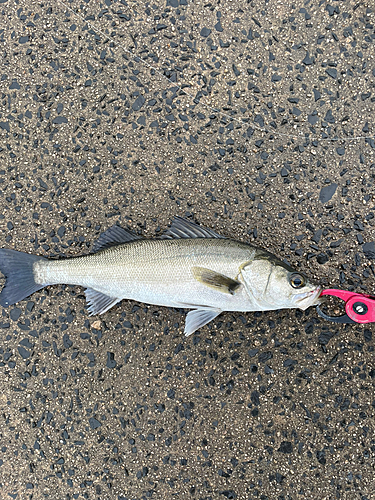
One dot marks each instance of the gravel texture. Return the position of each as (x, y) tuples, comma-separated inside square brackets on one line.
[(255, 119)]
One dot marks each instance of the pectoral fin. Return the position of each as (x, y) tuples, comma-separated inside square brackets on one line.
[(215, 280), (199, 317)]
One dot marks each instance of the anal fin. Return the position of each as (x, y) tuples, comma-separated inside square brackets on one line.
[(199, 317), (99, 303)]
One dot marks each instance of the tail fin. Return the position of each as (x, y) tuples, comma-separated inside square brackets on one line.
[(17, 267)]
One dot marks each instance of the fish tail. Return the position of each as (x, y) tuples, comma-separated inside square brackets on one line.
[(18, 269)]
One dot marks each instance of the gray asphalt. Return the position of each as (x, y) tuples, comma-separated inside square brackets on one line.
[(253, 119)]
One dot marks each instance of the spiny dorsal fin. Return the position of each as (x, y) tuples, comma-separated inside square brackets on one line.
[(215, 280), (183, 228), (115, 235)]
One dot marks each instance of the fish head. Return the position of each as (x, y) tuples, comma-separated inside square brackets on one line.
[(292, 289), (276, 285)]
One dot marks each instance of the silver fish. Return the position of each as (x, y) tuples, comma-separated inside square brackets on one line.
[(188, 267)]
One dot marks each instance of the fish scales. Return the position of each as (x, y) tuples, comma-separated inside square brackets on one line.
[(153, 271)]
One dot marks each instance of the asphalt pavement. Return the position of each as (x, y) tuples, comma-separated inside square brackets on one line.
[(254, 119)]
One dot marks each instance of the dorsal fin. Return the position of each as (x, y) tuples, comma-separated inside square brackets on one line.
[(182, 228), (115, 235)]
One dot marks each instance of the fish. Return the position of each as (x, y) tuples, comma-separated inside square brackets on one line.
[(188, 266)]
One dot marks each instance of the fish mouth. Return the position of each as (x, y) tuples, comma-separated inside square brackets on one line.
[(308, 299)]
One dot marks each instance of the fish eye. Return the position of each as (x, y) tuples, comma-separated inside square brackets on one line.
[(297, 280)]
